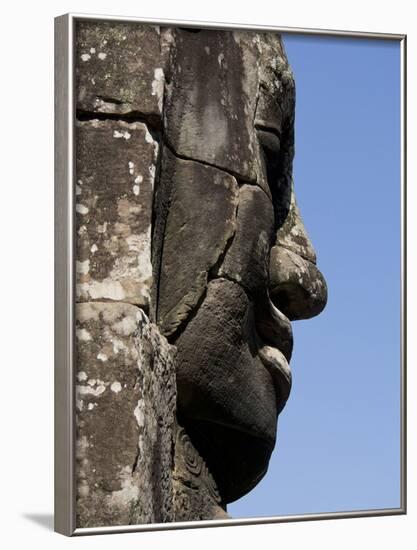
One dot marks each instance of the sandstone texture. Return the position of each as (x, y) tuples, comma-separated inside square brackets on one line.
[(297, 287), (119, 69), (125, 402), (211, 97), (196, 496), (199, 223), (293, 235), (116, 164)]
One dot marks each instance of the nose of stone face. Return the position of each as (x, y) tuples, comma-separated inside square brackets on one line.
[(297, 287)]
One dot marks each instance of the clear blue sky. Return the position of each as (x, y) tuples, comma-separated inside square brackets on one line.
[(338, 443)]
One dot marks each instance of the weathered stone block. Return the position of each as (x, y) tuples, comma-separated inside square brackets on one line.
[(199, 223), (114, 193), (125, 402), (211, 97), (119, 69)]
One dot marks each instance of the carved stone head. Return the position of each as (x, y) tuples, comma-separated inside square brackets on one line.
[(232, 262)]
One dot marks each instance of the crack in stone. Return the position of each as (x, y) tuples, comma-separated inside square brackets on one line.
[(152, 122), (211, 165)]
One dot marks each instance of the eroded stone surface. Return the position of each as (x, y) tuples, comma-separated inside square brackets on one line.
[(199, 223), (119, 68), (211, 97), (293, 235), (125, 402), (196, 496), (297, 287), (114, 193), (276, 84)]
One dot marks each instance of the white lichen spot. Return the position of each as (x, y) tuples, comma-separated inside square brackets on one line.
[(85, 56), (82, 230), (139, 179), (78, 189), (107, 288), (207, 50), (139, 413), (123, 134), (136, 189), (128, 494), (83, 489), (83, 334), (92, 50), (81, 209), (220, 59), (102, 357), (102, 55), (82, 376), (93, 248), (91, 406), (152, 174), (125, 327), (118, 345), (91, 390), (131, 167), (92, 382), (158, 85), (81, 446), (116, 387), (80, 182), (102, 228), (148, 137), (82, 267)]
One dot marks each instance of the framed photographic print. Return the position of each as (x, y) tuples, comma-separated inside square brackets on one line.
[(230, 287)]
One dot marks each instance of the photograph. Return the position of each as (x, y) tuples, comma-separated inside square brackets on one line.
[(230, 290)]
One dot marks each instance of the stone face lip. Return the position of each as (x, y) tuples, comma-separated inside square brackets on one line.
[(211, 97), (119, 69), (226, 397), (297, 287), (198, 226), (125, 402), (114, 195), (272, 326), (278, 368)]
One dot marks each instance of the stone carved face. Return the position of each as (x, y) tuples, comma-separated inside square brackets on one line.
[(232, 262)]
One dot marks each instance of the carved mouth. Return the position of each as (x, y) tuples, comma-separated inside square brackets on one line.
[(279, 369), (275, 346)]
